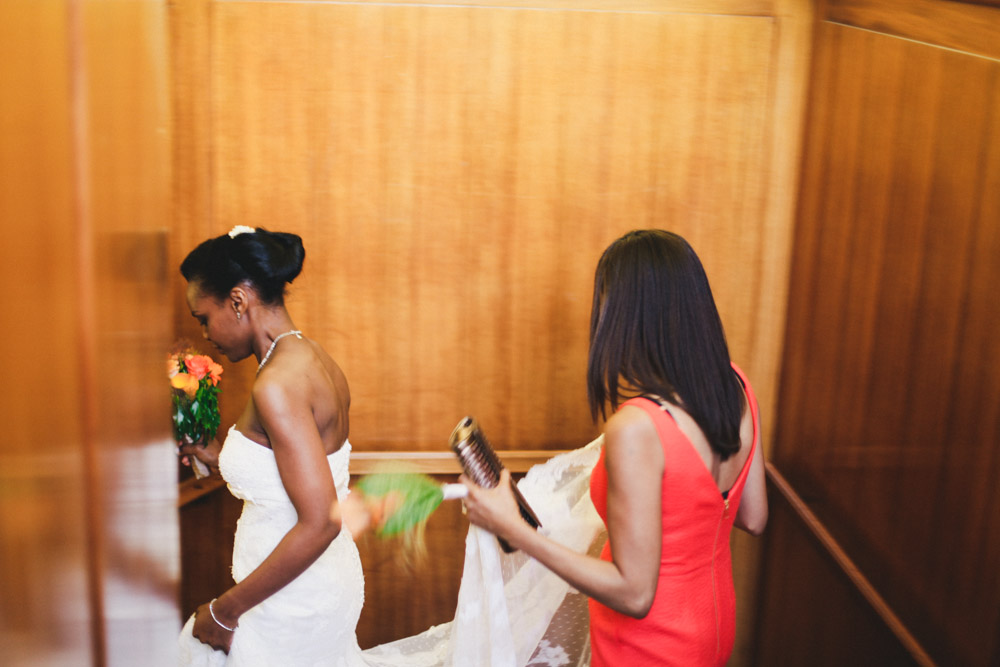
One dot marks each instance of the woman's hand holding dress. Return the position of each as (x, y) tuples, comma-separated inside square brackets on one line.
[(634, 460), (209, 631)]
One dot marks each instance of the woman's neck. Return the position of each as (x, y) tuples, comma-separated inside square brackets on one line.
[(270, 323)]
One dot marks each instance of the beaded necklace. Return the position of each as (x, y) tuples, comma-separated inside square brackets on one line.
[(296, 332)]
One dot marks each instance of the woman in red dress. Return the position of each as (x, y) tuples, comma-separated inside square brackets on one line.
[(681, 464)]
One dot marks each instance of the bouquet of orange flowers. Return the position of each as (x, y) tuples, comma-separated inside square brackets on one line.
[(194, 379)]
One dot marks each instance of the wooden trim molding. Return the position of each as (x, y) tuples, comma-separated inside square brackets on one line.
[(968, 26), (192, 489), (718, 7), (445, 463), (362, 463), (848, 566)]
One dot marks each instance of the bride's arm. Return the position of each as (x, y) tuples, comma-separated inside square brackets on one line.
[(634, 463), (298, 450)]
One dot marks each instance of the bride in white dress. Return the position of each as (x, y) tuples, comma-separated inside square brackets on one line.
[(299, 584), (286, 457), (295, 625)]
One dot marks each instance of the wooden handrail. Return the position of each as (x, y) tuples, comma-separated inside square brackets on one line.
[(848, 566), (445, 463), (191, 489), (362, 463)]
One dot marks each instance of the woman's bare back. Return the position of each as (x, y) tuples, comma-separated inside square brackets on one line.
[(305, 369)]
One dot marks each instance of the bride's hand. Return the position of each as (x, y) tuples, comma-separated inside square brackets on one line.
[(492, 509), (207, 453), (209, 632)]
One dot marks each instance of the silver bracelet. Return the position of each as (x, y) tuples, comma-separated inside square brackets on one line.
[(212, 612)]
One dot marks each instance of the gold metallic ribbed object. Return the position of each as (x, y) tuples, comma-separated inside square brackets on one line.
[(481, 464)]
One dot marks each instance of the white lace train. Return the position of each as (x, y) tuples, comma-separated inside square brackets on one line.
[(512, 611)]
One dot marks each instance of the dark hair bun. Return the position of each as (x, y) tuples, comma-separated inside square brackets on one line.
[(268, 260), (271, 260)]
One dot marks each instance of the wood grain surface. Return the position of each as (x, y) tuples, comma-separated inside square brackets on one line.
[(88, 525), (890, 400)]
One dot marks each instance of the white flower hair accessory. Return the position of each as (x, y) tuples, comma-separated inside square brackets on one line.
[(240, 229)]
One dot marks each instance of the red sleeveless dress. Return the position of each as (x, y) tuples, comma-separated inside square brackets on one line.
[(693, 618)]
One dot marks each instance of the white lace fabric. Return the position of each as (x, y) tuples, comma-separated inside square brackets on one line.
[(512, 612)]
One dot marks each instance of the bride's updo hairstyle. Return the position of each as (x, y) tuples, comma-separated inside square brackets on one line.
[(266, 260)]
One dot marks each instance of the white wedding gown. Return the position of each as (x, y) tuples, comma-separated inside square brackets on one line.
[(512, 612)]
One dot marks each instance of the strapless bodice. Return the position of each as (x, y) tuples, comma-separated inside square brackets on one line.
[(251, 473)]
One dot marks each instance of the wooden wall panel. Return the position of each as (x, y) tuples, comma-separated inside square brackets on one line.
[(44, 610), (456, 171), (207, 532), (889, 400), (125, 215), (806, 591), (87, 495), (406, 594)]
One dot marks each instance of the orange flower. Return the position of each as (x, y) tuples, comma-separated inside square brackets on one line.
[(214, 372), (198, 365), (185, 382)]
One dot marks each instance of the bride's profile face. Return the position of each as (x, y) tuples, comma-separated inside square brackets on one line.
[(219, 324)]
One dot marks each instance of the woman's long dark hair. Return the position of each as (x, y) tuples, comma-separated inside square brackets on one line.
[(267, 260), (655, 329)]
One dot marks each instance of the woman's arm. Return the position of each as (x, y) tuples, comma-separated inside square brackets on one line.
[(298, 450), (752, 514), (634, 461)]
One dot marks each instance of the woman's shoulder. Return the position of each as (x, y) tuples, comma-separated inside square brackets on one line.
[(294, 366), (305, 376), (285, 373), (276, 391), (630, 423)]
